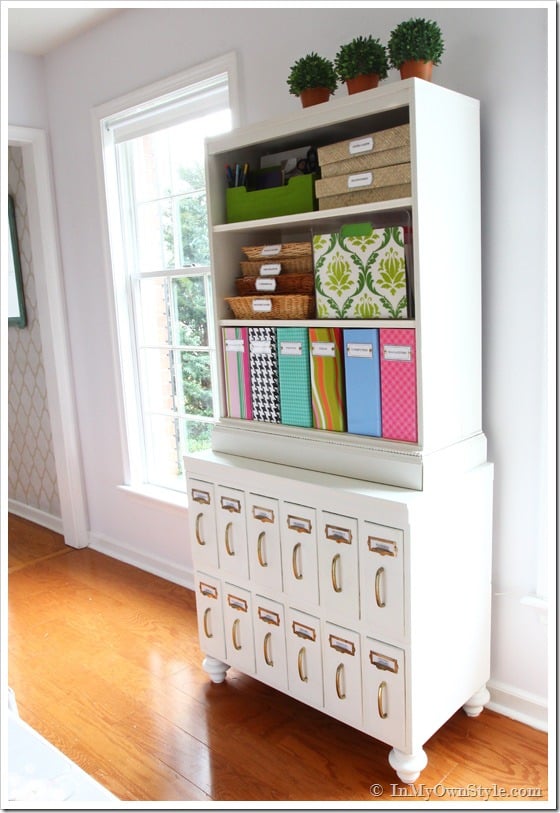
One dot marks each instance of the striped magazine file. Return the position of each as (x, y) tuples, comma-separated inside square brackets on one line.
[(327, 378), (237, 372), (295, 377)]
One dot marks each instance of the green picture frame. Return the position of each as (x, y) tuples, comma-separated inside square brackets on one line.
[(17, 315)]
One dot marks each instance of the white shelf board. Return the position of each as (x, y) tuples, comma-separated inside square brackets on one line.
[(316, 217)]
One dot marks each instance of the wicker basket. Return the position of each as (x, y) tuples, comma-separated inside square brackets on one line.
[(299, 265), (282, 284), (280, 251), (287, 306)]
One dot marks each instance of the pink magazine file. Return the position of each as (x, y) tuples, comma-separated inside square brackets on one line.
[(397, 350), (237, 373)]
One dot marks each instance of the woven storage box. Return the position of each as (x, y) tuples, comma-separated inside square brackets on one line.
[(281, 306), (366, 196), (381, 141), (369, 160), (299, 265), (278, 251), (282, 284), (360, 181)]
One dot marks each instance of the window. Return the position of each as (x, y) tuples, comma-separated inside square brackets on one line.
[(159, 244)]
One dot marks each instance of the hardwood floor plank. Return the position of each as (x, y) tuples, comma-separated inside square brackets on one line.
[(105, 662)]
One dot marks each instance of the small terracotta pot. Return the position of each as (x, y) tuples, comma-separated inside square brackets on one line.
[(311, 96), (366, 81), (417, 68)]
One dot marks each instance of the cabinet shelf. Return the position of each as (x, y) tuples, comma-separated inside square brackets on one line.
[(347, 323), (307, 220)]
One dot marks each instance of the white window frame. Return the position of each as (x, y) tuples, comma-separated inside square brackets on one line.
[(130, 419)]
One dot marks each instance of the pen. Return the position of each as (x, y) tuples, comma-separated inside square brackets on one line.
[(229, 175)]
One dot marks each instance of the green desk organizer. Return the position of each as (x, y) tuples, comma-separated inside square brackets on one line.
[(298, 195)]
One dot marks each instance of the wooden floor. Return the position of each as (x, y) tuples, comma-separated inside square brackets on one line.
[(104, 662)]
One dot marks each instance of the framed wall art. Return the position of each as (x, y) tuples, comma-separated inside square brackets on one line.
[(17, 316)]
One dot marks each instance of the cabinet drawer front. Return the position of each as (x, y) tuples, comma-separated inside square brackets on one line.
[(263, 541), (382, 580), (305, 663), (298, 535), (338, 566), (210, 615), (232, 531), (202, 523), (270, 642), (384, 692), (238, 628), (342, 674)]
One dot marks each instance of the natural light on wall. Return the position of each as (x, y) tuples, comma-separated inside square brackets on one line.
[(160, 257)]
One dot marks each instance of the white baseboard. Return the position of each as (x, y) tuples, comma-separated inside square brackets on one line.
[(519, 705), (152, 564), (36, 515)]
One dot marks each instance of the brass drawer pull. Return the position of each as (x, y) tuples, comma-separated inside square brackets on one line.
[(235, 634), (296, 566), (334, 575), (339, 681), (206, 624), (199, 539), (380, 695), (301, 665), (378, 576), (266, 649), (229, 549), (260, 544)]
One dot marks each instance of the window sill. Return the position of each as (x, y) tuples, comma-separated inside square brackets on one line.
[(164, 496)]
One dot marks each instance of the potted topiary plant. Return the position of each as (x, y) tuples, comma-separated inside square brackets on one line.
[(313, 79), (361, 63), (414, 46)]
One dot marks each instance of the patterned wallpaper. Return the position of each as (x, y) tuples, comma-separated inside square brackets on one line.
[(31, 465)]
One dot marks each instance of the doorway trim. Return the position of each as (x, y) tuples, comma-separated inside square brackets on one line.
[(51, 308)]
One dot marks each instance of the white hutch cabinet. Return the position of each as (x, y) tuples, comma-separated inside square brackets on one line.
[(354, 572)]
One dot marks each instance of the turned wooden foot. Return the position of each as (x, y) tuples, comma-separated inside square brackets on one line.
[(215, 668), (408, 766), (476, 703)]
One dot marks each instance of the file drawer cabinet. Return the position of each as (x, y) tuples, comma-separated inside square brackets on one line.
[(342, 669), (338, 566), (270, 642), (205, 540), (263, 540), (384, 692), (305, 663), (368, 602), (353, 570), (299, 552), (210, 615), (231, 531), (382, 580)]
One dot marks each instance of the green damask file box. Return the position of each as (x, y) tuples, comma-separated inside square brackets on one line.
[(362, 271)]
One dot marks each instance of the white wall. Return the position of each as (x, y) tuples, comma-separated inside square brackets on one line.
[(140, 46)]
